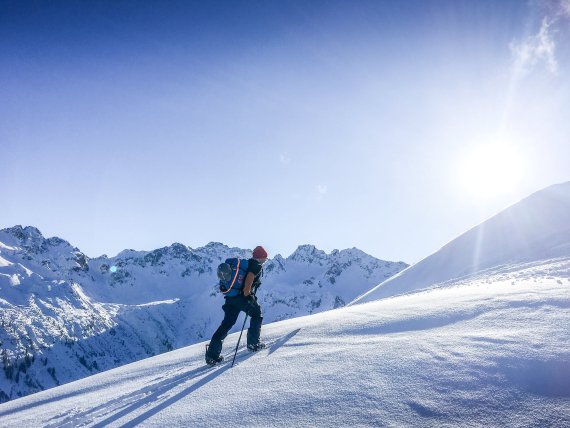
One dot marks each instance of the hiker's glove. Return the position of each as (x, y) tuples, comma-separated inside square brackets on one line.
[(251, 299)]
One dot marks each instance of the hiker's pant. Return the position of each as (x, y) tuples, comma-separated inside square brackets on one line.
[(232, 308)]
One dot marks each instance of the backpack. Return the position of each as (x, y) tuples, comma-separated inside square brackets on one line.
[(232, 276)]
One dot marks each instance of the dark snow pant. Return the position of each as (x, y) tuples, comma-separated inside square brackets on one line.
[(232, 308)]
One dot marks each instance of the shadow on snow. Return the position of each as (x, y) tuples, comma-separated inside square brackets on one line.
[(151, 394)]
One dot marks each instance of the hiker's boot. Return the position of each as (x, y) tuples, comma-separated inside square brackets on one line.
[(212, 360), (256, 347)]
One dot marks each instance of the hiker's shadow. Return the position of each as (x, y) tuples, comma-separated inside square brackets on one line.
[(162, 388), (166, 403), (280, 342)]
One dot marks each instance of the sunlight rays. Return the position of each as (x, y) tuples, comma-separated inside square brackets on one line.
[(491, 169)]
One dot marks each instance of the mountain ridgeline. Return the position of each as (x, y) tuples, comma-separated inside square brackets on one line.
[(64, 316)]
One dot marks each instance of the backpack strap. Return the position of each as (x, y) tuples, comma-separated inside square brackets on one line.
[(235, 277), (258, 282)]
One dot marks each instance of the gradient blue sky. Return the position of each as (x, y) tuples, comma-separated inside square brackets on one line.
[(340, 124)]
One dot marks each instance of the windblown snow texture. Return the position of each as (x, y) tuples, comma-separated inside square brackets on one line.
[(491, 351)]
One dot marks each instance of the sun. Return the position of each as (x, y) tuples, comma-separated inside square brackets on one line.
[(491, 169)]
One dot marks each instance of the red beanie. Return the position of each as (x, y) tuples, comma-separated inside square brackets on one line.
[(259, 253)]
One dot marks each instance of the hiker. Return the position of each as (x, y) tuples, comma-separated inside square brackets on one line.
[(238, 300)]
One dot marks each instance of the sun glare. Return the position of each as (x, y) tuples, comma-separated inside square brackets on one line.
[(491, 169)]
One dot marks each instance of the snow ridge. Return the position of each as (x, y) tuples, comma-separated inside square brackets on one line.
[(535, 228)]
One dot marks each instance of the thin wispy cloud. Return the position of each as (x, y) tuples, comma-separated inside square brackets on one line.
[(539, 48), (564, 9), (322, 189), (284, 159), (566, 6)]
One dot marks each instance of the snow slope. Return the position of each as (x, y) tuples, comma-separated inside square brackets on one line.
[(64, 316), (488, 350), (536, 228)]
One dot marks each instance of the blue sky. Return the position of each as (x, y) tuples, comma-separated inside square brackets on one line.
[(340, 124)]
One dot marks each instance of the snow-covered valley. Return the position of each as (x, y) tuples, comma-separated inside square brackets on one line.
[(64, 316)]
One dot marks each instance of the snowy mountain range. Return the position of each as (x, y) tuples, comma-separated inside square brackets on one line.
[(480, 342), (64, 316)]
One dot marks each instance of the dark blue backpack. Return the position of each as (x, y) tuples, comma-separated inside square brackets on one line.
[(232, 276)]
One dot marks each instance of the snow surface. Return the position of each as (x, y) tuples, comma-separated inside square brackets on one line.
[(536, 228), (64, 316), (490, 350)]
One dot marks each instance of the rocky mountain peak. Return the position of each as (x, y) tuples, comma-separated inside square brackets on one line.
[(24, 234), (307, 253), (215, 245)]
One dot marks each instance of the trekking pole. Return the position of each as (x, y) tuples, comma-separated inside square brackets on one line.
[(239, 340)]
